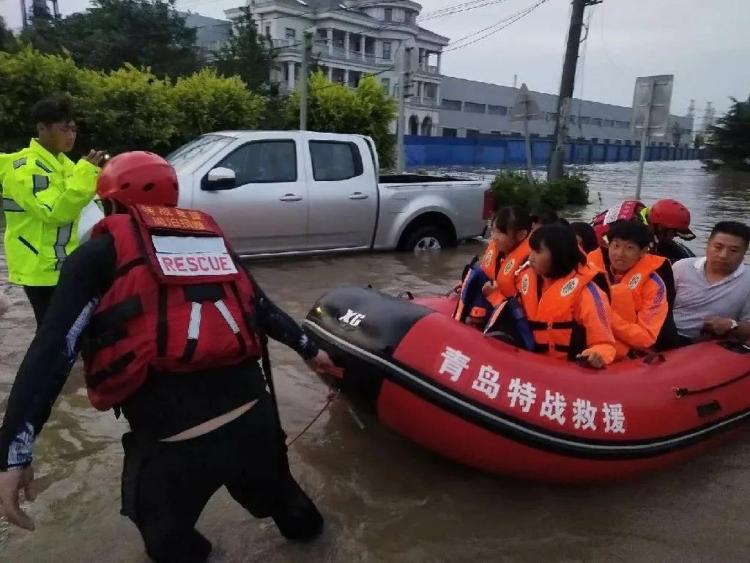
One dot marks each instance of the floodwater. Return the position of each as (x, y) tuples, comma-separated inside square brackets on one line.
[(384, 498)]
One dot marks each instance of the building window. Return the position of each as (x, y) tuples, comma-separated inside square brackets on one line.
[(471, 107), (584, 120), (597, 121), (386, 82), (290, 33), (471, 133), (268, 31), (454, 105), (387, 50), (497, 110), (429, 91), (389, 14), (608, 123), (449, 132), (410, 16), (335, 161)]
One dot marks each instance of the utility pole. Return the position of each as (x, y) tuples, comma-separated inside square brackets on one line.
[(24, 15), (567, 82), (306, 56), (403, 93)]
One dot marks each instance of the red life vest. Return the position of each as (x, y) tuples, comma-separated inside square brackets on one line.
[(180, 302), (624, 211)]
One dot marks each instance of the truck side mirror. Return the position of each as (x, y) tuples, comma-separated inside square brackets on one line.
[(219, 179)]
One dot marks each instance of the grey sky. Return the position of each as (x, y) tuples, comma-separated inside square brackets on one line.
[(704, 43)]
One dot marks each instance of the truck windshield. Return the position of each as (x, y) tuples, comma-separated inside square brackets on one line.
[(195, 153)]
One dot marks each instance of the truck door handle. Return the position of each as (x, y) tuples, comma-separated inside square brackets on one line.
[(290, 197), (358, 195)]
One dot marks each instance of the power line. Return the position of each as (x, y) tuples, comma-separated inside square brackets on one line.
[(458, 8), (494, 28)]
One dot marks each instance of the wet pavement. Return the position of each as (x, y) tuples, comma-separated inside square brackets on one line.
[(384, 498)]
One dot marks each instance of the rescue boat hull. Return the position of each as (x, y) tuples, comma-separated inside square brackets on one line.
[(492, 406)]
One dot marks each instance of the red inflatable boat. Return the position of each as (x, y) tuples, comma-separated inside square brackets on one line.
[(493, 406)]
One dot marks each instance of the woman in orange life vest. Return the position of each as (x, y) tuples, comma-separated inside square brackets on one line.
[(639, 294), (491, 280), (567, 310), (510, 232)]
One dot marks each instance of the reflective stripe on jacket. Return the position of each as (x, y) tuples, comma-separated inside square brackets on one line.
[(43, 196)]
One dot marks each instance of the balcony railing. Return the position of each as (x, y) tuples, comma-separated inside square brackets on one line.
[(282, 44)]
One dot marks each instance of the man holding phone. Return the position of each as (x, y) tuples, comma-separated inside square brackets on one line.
[(43, 195)]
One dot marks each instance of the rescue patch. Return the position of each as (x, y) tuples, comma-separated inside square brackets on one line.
[(509, 266), (525, 284), (569, 287), (487, 259), (634, 281), (193, 256)]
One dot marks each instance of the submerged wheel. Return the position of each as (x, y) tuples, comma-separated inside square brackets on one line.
[(428, 238)]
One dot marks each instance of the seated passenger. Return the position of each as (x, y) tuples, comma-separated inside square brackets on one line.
[(510, 231), (713, 293), (567, 311), (639, 294), (585, 235)]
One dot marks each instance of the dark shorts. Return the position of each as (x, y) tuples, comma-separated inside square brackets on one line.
[(166, 485)]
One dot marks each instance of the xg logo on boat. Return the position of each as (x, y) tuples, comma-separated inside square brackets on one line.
[(352, 318)]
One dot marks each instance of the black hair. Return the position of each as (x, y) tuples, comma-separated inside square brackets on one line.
[(587, 234), (734, 228), (512, 218), (54, 109), (631, 231), (546, 216), (563, 247)]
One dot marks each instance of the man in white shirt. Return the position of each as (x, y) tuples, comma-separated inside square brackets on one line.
[(713, 293)]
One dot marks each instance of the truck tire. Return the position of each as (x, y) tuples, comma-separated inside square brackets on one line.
[(425, 238)]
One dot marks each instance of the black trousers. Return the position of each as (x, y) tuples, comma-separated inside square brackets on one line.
[(166, 485), (39, 297)]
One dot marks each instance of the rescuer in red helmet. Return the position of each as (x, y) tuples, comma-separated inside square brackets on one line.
[(171, 328), (666, 218)]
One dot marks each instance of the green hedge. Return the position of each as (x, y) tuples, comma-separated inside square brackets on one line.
[(512, 187), (131, 108), (124, 109)]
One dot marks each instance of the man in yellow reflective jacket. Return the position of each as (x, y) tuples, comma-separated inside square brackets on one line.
[(43, 195)]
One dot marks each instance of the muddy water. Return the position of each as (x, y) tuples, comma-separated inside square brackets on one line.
[(385, 499)]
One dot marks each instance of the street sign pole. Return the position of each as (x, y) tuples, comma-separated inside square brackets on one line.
[(651, 99), (526, 109), (529, 164), (644, 144)]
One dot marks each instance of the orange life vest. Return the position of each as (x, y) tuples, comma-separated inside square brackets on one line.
[(490, 259), (550, 312), (505, 279), (627, 295)]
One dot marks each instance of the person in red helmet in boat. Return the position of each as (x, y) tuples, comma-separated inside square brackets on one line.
[(171, 328), (666, 219)]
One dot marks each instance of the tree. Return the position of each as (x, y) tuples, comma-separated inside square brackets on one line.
[(730, 138), (111, 33), (246, 54), (367, 110), (8, 41)]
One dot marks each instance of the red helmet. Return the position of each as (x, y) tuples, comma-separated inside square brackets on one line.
[(138, 177), (671, 214), (624, 211)]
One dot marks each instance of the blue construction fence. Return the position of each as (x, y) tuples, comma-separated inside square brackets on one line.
[(500, 153)]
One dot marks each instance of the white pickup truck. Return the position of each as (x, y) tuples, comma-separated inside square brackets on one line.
[(301, 192)]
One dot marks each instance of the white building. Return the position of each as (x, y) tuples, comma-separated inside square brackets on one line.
[(352, 39)]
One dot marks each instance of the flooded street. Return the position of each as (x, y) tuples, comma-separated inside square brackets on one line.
[(384, 498)]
